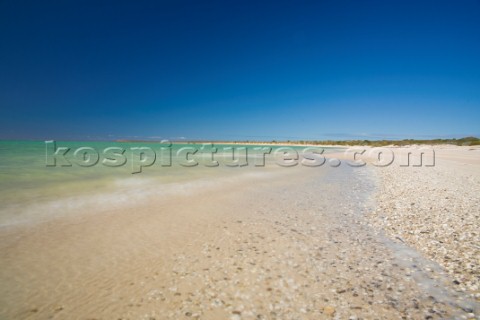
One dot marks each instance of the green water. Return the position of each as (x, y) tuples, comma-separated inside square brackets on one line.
[(26, 180)]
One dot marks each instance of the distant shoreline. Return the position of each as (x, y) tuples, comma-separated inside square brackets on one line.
[(466, 141)]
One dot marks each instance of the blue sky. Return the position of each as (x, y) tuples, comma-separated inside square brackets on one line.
[(239, 70)]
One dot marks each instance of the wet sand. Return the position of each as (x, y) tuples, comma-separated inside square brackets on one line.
[(436, 210), (293, 244)]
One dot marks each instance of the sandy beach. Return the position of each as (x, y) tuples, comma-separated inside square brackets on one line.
[(245, 160), (290, 243)]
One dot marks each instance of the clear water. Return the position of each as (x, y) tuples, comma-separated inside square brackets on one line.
[(27, 184)]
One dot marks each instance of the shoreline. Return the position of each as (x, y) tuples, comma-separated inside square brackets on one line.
[(435, 210), (298, 244)]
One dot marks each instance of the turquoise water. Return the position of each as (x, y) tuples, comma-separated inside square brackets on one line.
[(26, 180)]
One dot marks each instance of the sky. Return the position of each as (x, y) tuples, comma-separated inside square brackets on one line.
[(239, 70)]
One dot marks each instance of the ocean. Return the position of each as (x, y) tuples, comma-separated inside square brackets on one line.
[(39, 179)]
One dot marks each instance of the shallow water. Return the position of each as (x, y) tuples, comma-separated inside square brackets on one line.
[(31, 187), (263, 243)]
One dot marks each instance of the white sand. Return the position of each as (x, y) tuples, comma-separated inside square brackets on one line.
[(436, 210), (292, 245)]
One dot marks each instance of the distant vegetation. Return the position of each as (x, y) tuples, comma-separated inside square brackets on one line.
[(467, 141)]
